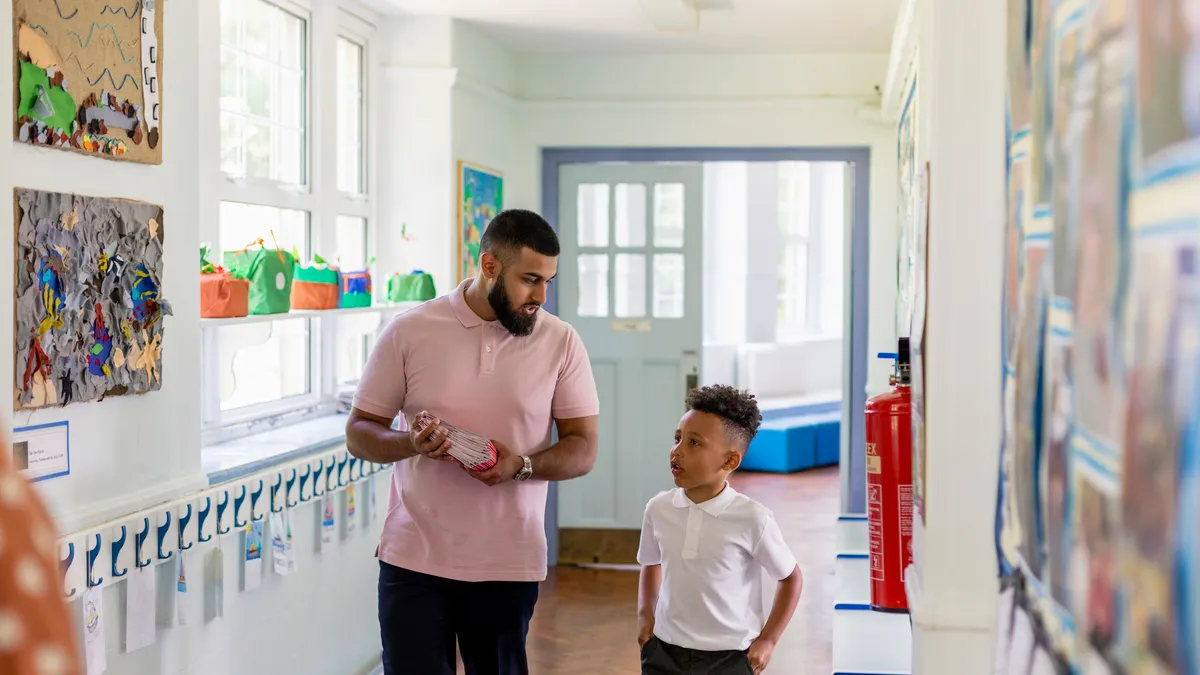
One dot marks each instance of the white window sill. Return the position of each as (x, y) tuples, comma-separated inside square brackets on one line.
[(231, 460)]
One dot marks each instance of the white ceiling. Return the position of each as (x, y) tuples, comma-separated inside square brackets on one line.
[(624, 26)]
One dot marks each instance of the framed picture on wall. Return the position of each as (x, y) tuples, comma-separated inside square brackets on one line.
[(480, 198)]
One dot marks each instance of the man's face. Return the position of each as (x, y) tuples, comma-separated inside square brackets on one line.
[(519, 290)]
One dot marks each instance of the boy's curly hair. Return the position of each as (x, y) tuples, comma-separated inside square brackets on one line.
[(737, 408)]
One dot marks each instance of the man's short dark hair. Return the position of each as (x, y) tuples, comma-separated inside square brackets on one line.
[(515, 229), (737, 408)]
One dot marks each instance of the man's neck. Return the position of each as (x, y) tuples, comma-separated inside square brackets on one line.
[(476, 296)]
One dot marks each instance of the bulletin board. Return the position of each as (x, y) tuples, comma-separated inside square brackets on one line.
[(1098, 520), (88, 77), (88, 320)]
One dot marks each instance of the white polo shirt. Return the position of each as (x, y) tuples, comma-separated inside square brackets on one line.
[(714, 556)]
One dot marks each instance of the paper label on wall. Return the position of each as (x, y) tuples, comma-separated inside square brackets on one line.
[(139, 608), (373, 486), (181, 594), (328, 520), (351, 508), (289, 542), (214, 586), (252, 557), (279, 545), (42, 451), (93, 630)]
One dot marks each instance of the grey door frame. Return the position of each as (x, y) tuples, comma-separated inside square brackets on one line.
[(853, 461)]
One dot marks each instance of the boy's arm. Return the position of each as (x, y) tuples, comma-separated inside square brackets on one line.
[(787, 596), (649, 583)]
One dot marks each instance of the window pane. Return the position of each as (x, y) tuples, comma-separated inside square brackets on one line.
[(592, 210), (242, 224), (795, 187), (350, 116), (793, 289), (668, 215), (668, 285), (355, 337), (351, 251), (262, 362), (263, 83), (630, 225), (629, 285), (593, 285)]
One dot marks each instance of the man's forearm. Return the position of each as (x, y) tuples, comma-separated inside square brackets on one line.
[(571, 457), (373, 442)]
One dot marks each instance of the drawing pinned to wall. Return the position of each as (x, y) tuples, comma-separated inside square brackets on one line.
[(907, 206), (89, 77), (480, 198), (89, 308)]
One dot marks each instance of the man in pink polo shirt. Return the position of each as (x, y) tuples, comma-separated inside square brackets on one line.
[(462, 552)]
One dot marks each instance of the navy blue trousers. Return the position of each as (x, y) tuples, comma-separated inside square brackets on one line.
[(421, 617)]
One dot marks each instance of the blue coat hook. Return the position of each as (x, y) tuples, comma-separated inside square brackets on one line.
[(64, 566), (318, 484), (138, 540), (342, 474), (200, 521), (291, 481), (222, 504), (275, 494), (329, 484), (117, 545), (254, 514), (183, 521), (93, 552), (162, 539), (304, 481), (237, 506)]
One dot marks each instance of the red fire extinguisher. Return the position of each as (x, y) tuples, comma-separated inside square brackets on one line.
[(889, 486)]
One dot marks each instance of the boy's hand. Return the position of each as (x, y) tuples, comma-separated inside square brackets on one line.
[(645, 630), (760, 653)]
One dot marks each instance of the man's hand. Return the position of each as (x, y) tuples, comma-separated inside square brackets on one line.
[(432, 442), (508, 465), (645, 629), (760, 653)]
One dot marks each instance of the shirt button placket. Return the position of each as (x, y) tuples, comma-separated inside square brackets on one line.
[(691, 537), (487, 356)]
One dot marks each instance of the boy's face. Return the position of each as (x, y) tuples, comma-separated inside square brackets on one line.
[(704, 453)]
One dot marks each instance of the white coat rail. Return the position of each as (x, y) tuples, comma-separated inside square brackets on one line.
[(865, 642), (104, 554)]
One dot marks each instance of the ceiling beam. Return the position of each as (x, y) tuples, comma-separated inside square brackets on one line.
[(672, 16)]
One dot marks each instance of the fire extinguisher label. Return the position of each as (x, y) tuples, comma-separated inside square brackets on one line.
[(906, 521), (875, 525), (874, 463)]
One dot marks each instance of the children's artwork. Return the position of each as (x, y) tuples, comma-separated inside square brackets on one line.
[(89, 76), (89, 311), (252, 557), (1099, 508), (481, 198)]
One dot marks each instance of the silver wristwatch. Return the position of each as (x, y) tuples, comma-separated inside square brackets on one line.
[(525, 472)]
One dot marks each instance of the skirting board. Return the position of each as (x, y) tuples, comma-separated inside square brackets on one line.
[(577, 546)]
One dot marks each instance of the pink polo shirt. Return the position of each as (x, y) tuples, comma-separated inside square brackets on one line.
[(472, 373)]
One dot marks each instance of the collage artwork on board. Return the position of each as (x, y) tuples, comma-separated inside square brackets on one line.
[(1098, 520)]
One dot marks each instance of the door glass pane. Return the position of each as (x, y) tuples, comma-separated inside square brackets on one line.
[(630, 225), (668, 215), (629, 285), (592, 211), (668, 285), (593, 285)]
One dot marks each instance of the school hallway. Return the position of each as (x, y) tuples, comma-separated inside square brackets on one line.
[(586, 619)]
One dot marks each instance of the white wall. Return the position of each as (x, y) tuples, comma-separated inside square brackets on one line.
[(128, 451), (718, 101)]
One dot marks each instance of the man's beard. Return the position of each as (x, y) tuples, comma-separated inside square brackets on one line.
[(515, 321)]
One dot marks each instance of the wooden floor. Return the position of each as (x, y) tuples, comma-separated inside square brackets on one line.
[(586, 619)]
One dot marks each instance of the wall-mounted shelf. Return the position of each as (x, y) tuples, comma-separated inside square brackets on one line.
[(396, 308)]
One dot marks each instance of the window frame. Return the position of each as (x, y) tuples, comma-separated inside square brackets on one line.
[(322, 202), (810, 327)]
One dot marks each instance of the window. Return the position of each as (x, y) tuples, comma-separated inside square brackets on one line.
[(262, 368), (811, 225)]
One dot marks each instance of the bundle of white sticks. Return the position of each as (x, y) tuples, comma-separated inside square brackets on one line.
[(473, 451)]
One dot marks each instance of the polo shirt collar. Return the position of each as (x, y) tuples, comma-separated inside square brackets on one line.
[(458, 301), (713, 507)]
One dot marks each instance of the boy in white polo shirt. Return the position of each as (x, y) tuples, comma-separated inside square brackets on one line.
[(705, 548)]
